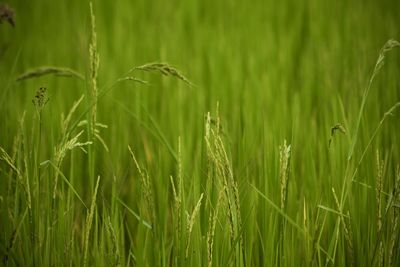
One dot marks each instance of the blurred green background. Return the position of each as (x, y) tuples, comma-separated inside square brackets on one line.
[(277, 69)]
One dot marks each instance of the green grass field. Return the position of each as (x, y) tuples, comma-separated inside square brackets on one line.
[(200, 133)]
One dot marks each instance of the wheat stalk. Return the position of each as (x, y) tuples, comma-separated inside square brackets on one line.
[(389, 45), (212, 220), (284, 170), (65, 121), (379, 164), (191, 221), (94, 66), (284, 160), (15, 149), (164, 69), (61, 151), (146, 189), (88, 224), (115, 249), (218, 161), (216, 157), (4, 156), (178, 203)]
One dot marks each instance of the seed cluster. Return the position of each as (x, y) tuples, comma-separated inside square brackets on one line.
[(41, 98)]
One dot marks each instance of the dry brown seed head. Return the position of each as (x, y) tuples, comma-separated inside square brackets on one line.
[(41, 98), (7, 14)]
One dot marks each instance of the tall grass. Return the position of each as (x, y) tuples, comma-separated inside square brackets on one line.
[(184, 183)]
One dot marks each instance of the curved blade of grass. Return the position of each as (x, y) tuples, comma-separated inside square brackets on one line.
[(164, 69), (65, 180), (42, 71), (332, 210), (156, 133), (284, 215), (161, 135), (387, 114), (129, 78), (333, 244), (291, 221), (384, 222), (134, 214)]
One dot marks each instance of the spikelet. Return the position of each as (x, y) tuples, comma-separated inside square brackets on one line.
[(94, 66), (4, 156), (65, 121), (389, 45), (100, 139), (164, 69), (233, 188), (40, 99), (113, 237), (219, 166), (130, 78), (146, 189), (67, 144), (15, 149), (215, 153), (190, 223), (96, 132), (379, 176), (177, 190), (284, 171), (61, 151), (212, 220), (284, 161), (42, 71), (178, 200), (334, 129), (88, 224)]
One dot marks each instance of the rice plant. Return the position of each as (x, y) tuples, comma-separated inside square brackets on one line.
[(274, 143)]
